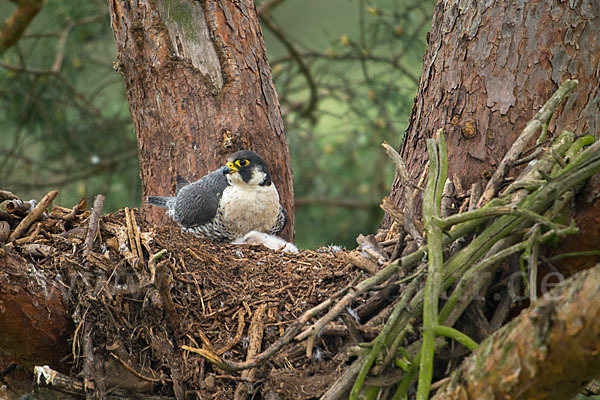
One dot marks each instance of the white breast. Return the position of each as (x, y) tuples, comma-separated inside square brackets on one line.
[(249, 207)]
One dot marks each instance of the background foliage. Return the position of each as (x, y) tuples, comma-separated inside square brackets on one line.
[(346, 72)]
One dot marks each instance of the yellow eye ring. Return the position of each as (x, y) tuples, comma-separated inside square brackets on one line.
[(242, 163)]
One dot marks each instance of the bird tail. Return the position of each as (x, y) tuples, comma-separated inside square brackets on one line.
[(159, 201)]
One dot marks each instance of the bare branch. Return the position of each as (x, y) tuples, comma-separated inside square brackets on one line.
[(15, 25)]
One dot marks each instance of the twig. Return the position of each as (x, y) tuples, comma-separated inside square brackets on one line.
[(361, 262), (238, 334), (431, 211), (397, 336), (399, 247), (503, 308), (37, 227), (589, 253), (163, 284), (55, 381), (32, 216), (400, 166), (527, 159), (131, 234), (497, 211), (6, 195), (255, 332), (133, 371), (136, 233), (577, 145), (78, 209), (533, 262), (93, 224), (392, 210), (457, 335), (18, 206), (403, 386), (476, 190), (438, 384), (152, 263), (61, 45), (409, 198), (447, 205), (525, 137)]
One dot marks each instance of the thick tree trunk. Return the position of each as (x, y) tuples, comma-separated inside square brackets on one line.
[(199, 87), (553, 349), (488, 68)]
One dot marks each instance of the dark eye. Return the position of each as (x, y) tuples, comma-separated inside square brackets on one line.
[(242, 162)]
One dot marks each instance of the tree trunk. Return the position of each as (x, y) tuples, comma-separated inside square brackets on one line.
[(488, 68), (553, 349), (199, 87)]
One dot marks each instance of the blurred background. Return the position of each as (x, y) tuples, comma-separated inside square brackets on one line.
[(346, 72)]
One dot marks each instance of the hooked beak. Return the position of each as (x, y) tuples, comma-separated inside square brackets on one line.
[(229, 168)]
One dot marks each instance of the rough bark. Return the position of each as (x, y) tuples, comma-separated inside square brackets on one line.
[(199, 87), (549, 352), (488, 68), (36, 324)]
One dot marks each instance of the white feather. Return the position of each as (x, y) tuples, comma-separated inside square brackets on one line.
[(270, 241)]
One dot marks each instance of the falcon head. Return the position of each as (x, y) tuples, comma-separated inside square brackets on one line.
[(247, 167)]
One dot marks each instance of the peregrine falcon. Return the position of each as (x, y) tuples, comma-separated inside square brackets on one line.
[(227, 203)]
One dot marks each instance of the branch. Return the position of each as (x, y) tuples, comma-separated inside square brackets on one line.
[(409, 199), (15, 25), (32, 216), (553, 348), (438, 164), (314, 95), (525, 137), (93, 224)]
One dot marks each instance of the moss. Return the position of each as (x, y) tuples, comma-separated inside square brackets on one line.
[(180, 14)]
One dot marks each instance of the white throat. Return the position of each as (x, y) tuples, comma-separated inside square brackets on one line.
[(258, 176)]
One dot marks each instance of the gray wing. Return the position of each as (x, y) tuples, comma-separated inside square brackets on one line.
[(197, 202), (280, 222)]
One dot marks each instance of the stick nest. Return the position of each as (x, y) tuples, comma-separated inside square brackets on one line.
[(139, 311)]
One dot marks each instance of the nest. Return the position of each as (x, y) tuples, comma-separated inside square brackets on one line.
[(141, 293)]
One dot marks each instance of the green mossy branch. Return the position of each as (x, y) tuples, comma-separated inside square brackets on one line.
[(438, 167)]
